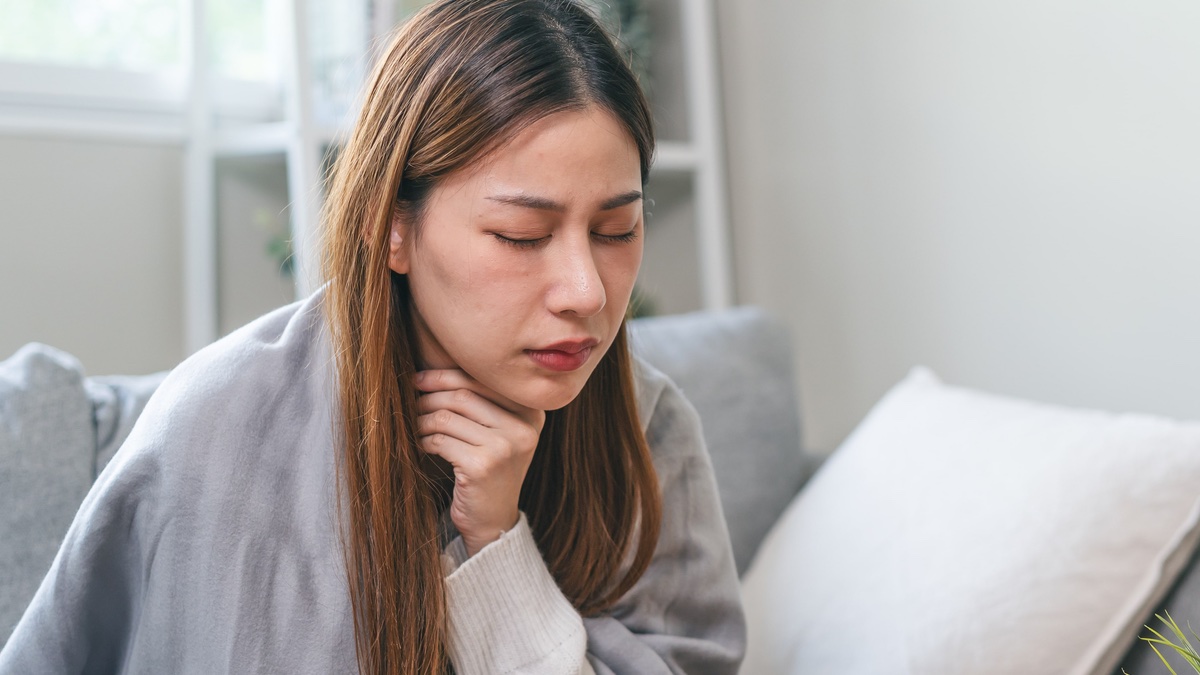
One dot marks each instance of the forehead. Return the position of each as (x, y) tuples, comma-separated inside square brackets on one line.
[(571, 155)]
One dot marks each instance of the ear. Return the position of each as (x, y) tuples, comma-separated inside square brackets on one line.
[(398, 245)]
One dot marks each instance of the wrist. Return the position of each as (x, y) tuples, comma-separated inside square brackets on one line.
[(478, 538)]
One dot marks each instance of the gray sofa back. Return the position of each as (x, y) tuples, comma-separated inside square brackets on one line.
[(47, 442), (735, 367), (58, 429)]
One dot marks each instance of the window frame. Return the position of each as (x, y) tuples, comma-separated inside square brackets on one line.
[(56, 99)]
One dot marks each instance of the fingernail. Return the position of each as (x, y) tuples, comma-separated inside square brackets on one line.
[(420, 376)]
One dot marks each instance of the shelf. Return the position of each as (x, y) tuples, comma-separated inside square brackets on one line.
[(687, 247)]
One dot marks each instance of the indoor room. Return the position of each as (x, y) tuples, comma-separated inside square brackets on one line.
[(761, 336)]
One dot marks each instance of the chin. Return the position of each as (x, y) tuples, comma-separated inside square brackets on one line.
[(549, 394)]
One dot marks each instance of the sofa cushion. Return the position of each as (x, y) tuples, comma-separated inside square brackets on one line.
[(960, 532), (118, 400), (47, 446), (735, 367)]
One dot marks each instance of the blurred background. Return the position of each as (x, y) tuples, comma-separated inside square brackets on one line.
[(1007, 192)]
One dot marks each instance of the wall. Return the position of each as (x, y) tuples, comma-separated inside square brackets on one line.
[(91, 248), (252, 207), (90, 251), (1008, 192)]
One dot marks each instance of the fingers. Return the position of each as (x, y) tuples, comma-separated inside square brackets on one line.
[(452, 424), (460, 454), (450, 379), (489, 440), (457, 407), (505, 441), (464, 402)]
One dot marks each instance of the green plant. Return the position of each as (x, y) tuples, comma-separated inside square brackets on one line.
[(279, 240), (1184, 647)]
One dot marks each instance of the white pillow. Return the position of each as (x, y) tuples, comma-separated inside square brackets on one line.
[(961, 532)]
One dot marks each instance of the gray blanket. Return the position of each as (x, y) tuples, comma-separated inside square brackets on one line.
[(209, 542)]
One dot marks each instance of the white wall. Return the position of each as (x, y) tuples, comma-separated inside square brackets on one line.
[(1007, 191), (91, 248), (90, 251), (252, 206)]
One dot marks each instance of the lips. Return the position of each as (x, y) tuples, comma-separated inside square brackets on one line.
[(570, 346), (564, 356)]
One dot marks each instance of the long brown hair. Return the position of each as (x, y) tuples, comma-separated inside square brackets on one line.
[(459, 79)]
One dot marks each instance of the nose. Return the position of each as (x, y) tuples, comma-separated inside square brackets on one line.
[(576, 288)]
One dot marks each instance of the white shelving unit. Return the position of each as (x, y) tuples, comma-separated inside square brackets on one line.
[(299, 138), (199, 202), (689, 164), (690, 151)]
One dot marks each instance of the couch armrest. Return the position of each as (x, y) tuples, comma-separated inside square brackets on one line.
[(47, 445)]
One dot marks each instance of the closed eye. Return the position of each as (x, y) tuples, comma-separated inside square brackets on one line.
[(621, 238), (521, 243)]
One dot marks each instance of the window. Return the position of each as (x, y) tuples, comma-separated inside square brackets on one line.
[(121, 65), (136, 35)]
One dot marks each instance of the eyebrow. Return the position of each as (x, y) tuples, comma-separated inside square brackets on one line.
[(543, 204)]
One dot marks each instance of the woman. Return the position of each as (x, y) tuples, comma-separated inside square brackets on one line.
[(446, 456)]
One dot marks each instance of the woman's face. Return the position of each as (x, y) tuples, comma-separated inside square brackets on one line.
[(527, 257)]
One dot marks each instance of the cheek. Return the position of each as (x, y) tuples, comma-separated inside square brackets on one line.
[(620, 269), (452, 271), (442, 293), (473, 286)]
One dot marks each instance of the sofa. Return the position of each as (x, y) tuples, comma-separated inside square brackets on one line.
[(831, 551)]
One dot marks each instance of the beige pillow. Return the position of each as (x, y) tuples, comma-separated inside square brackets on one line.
[(961, 532)]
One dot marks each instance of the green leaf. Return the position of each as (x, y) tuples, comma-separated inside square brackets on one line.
[(1163, 658), (1184, 648)]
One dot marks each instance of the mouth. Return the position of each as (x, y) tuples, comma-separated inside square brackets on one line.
[(564, 356)]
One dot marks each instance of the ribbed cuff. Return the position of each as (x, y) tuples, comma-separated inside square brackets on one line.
[(455, 554), (507, 614)]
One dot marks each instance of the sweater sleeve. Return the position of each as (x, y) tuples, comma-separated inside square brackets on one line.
[(685, 614), (507, 614)]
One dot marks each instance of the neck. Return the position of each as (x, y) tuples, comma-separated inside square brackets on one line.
[(428, 355)]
